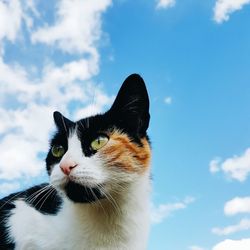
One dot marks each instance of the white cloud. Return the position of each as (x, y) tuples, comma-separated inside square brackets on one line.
[(237, 167), (159, 213), (223, 8), (243, 244), (196, 248), (237, 205), (77, 27), (27, 102), (99, 100), (168, 100), (243, 225), (8, 187), (164, 4), (12, 13), (10, 19)]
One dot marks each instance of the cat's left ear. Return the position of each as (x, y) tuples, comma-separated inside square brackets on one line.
[(131, 106), (62, 123)]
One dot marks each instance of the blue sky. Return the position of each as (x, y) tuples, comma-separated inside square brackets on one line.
[(194, 58)]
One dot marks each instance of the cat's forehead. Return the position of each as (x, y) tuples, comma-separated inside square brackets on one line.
[(94, 124)]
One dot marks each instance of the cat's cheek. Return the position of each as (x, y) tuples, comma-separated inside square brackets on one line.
[(90, 172)]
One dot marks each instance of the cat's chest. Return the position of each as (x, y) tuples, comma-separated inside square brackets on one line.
[(69, 229)]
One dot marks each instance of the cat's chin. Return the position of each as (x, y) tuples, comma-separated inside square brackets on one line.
[(82, 194)]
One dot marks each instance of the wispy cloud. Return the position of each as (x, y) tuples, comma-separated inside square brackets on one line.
[(165, 4), (243, 244), (233, 207), (243, 225), (196, 248), (223, 9), (214, 166), (159, 213), (237, 167)]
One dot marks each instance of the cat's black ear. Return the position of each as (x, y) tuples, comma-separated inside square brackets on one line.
[(62, 123), (131, 106)]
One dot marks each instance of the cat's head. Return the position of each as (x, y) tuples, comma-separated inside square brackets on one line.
[(95, 156)]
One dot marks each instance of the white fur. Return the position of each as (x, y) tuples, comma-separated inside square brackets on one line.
[(122, 222)]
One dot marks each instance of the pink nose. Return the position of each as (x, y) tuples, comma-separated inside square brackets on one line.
[(67, 165)]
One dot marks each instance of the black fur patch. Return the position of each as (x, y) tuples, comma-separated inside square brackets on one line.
[(44, 200), (79, 193), (5, 211)]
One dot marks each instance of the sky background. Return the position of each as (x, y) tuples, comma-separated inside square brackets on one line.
[(194, 56)]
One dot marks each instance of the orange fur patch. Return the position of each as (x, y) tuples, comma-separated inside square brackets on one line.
[(121, 152)]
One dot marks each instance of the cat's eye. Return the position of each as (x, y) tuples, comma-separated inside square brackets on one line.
[(57, 151), (99, 142)]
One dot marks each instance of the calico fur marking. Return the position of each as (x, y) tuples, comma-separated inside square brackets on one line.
[(132, 158)]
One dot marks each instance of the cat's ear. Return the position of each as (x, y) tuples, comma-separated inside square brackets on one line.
[(62, 123), (131, 106)]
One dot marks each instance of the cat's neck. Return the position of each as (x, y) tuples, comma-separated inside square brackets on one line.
[(124, 216)]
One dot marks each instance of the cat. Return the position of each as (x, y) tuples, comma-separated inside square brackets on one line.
[(99, 191)]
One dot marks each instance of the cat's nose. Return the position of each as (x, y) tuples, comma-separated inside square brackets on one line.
[(67, 165)]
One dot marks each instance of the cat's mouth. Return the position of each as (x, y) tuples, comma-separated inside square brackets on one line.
[(82, 194)]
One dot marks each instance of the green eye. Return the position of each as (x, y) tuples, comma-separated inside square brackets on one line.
[(99, 142), (57, 151)]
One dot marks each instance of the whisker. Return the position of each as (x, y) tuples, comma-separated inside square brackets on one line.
[(99, 202), (12, 198), (111, 199), (35, 195), (49, 193), (39, 190), (43, 196)]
